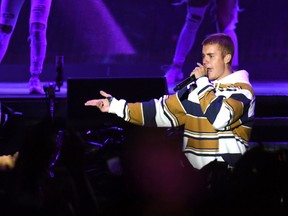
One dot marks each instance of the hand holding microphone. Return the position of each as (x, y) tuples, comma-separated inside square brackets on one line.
[(194, 75)]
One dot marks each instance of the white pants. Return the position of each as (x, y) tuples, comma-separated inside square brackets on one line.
[(226, 15), (39, 13)]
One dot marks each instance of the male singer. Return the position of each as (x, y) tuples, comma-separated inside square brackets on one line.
[(217, 110)]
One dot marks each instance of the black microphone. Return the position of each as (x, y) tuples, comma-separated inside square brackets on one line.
[(59, 70), (185, 82)]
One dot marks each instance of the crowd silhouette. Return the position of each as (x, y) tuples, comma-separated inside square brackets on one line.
[(58, 171)]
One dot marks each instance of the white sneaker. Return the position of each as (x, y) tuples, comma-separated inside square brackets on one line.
[(35, 85)]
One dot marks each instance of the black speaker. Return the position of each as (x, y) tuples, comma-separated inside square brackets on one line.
[(79, 90)]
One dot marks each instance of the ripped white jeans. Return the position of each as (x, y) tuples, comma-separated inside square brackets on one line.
[(39, 13)]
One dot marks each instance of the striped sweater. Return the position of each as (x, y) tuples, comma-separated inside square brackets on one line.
[(217, 117)]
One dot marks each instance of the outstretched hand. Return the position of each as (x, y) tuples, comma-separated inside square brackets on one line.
[(102, 104)]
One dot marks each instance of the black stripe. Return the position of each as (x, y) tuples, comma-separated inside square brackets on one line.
[(204, 89), (165, 113), (214, 109), (149, 111), (192, 108), (124, 113), (217, 138)]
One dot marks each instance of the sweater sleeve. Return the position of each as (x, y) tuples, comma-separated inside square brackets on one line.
[(228, 110), (163, 112)]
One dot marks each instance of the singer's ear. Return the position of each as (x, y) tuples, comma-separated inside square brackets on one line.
[(227, 58)]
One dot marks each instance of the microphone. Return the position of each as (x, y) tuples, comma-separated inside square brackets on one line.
[(185, 82), (59, 70)]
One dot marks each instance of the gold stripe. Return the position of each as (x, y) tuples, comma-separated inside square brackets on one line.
[(203, 145), (246, 87), (174, 108), (136, 114), (199, 124), (236, 106), (243, 132), (206, 100), (239, 86)]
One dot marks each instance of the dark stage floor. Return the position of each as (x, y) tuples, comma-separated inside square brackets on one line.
[(20, 89), (14, 78)]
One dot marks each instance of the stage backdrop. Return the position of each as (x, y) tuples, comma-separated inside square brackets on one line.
[(146, 31)]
